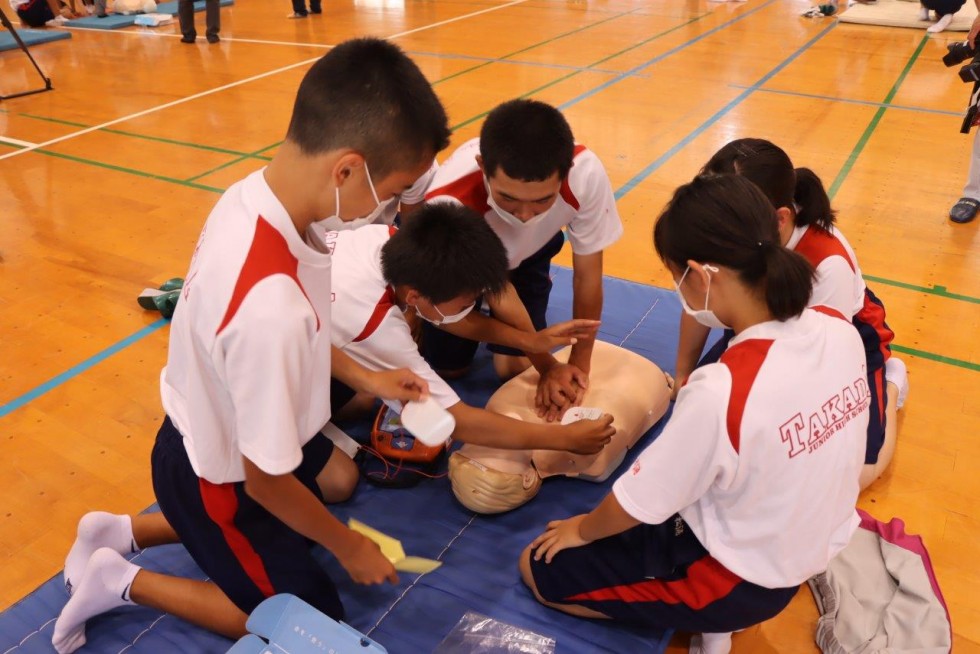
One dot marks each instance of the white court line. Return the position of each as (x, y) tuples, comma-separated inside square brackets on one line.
[(17, 142), (202, 94), (174, 35)]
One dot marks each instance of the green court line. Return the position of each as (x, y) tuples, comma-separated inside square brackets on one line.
[(131, 171), (873, 125), (536, 45), (939, 291), (922, 354), (249, 155), (145, 137), (593, 64), (444, 79), (848, 166)]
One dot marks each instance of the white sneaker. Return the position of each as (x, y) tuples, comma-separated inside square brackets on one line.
[(711, 643), (896, 373), (57, 21), (295, 15)]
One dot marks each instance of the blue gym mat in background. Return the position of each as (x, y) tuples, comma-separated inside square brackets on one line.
[(171, 7), (31, 37), (110, 22), (479, 553)]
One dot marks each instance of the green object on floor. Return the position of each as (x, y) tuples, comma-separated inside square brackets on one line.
[(163, 299)]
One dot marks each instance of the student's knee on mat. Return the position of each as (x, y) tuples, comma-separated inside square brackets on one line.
[(524, 565), (508, 366), (338, 479)]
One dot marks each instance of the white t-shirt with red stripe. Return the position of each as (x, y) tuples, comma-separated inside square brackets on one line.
[(585, 205), (762, 454), (385, 213), (249, 357), (839, 283), (367, 323)]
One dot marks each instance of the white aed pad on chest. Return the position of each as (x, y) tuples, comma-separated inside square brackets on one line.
[(428, 422)]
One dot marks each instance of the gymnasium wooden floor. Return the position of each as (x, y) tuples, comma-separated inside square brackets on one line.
[(107, 180)]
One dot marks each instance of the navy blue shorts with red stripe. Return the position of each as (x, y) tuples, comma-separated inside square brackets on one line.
[(877, 338), (659, 576), (531, 280), (249, 553), (35, 13)]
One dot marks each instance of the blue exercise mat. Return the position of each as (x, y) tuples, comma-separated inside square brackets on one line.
[(171, 7), (31, 37), (110, 22), (479, 553)]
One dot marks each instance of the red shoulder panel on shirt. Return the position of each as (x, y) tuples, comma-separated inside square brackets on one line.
[(818, 245), (566, 189), (380, 311), (469, 189), (829, 311), (744, 361), (268, 255)]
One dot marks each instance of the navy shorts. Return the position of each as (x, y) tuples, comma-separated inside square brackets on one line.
[(531, 280), (659, 576), (35, 13), (249, 553)]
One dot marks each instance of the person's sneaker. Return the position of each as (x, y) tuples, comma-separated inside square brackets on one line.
[(964, 210), (57, 21), (188, 38), (213, 38), (296, 15), (896, 373)]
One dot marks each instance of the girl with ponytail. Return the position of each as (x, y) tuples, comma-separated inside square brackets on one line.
[(805, 223), (751, 487)]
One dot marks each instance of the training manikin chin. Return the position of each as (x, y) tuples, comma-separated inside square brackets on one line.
[(626, 385)]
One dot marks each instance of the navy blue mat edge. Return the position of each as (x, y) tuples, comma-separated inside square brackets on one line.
[(622, 327)]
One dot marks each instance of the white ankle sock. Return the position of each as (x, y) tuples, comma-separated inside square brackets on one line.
[(711, 643), (104, 586), (97, 529), (940, 24), (896, 373)]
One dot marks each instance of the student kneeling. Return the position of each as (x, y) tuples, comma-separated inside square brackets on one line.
[(751, 487), (438, 265)]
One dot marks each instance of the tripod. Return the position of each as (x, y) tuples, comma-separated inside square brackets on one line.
[(23, 46)]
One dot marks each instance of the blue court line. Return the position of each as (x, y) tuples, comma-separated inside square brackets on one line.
[(79, 368), (870, 103), (517, 62), (646, 172), (636, 69)]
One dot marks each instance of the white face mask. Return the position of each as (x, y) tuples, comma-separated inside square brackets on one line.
[(704, 316), (444, 319), (357, 222), (506, 215)]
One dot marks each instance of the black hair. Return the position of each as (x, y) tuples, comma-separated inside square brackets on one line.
[(366, 94), (726, 220), (444, 251), (770, 168), (529, 140)]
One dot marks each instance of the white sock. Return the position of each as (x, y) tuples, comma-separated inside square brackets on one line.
[(104, 586), (711, 643), (923, 13), (896, 373), (97, 529), (941, 24)]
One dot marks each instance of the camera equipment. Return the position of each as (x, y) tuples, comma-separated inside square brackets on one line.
[(960, 52)]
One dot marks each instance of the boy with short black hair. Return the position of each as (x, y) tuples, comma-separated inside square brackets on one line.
[(240, 470), (529, 179), (438, 265)]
